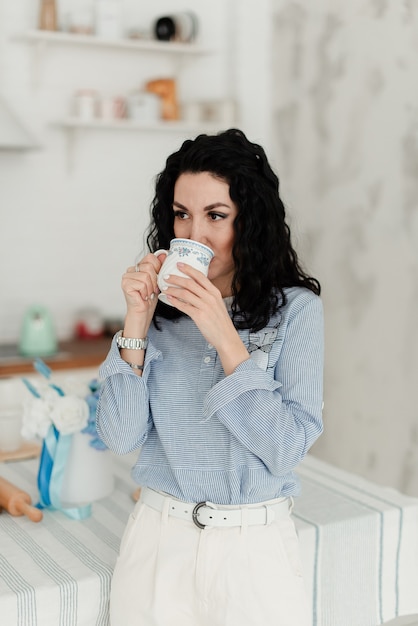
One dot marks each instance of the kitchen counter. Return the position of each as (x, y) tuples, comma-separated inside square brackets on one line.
[(72, 354)]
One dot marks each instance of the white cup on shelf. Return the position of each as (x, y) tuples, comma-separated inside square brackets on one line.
[(144, 107), (86, 104), (108, 22)]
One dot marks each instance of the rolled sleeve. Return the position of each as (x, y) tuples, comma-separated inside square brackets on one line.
[(246, 377), (123, 417), (114, 364)]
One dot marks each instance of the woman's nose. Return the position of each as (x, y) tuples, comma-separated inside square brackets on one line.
[(197, 233)]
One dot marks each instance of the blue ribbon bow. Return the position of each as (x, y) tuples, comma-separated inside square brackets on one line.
[(52, 465)]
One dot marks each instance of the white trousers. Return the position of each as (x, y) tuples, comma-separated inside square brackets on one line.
[(171, 573)]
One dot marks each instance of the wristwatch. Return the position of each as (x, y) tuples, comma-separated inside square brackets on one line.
[(131, 343)]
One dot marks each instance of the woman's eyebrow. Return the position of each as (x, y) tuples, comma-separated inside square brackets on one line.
[(210, 207)]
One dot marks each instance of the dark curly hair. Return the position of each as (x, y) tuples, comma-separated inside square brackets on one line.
[(265, 260)]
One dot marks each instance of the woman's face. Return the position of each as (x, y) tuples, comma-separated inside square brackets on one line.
[(204, 211)]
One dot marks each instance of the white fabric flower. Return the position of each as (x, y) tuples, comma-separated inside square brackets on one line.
[(70, 414), (73, 386), (36, 418)]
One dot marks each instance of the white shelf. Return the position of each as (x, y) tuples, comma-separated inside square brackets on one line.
[(139, 45), (74, 126), (74, 123), (41, 39)]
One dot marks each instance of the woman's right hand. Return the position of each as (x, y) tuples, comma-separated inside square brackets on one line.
[(139, 285)]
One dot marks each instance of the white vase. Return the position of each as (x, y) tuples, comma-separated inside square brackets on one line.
[(88, 474)]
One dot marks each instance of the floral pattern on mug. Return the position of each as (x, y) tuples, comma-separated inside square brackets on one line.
[(201, 256)]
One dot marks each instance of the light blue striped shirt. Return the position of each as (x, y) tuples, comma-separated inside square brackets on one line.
[(205, 436)]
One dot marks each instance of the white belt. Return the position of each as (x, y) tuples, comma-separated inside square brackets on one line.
[(208, 514)]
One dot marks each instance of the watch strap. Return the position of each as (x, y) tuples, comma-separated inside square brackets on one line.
[(131, 343)]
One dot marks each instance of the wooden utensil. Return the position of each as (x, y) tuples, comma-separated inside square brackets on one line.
[(166, 89), (17, 502)]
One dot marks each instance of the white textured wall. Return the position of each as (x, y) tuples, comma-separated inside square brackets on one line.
[(346, 125)]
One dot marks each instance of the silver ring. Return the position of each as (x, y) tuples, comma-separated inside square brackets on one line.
[(137, 267)]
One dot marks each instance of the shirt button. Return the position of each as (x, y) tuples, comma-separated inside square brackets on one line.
[(206, 359), (210, 346)]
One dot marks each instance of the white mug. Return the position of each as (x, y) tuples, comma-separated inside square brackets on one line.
[(187, 251), (144, 107)]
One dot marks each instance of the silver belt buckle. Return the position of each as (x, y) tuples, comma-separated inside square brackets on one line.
[(194, 515)]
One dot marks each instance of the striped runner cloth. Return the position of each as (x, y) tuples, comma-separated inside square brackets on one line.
[(359, 550), (359, 546)]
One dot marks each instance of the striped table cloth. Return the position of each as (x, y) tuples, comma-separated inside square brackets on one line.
[(359, 548), (58, 572)]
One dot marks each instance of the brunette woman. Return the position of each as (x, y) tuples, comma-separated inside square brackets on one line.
[(221, 394)]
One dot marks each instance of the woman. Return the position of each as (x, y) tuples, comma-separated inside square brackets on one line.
[(223, 398)]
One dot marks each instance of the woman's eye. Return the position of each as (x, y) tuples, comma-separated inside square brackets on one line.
[(216, 216), (181, 215)]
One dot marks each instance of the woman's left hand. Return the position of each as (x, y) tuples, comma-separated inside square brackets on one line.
[(202, 301)]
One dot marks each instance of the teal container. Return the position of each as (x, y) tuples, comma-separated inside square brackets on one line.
[(38, 334)]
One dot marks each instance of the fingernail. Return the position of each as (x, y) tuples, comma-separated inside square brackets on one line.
[(152, 296)]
